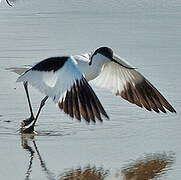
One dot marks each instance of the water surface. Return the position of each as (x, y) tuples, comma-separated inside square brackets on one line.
[(134, 141)]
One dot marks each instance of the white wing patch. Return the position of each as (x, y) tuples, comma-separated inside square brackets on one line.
[(132, 86), (50, 78), (53, 84), (115, 77), (121, 61), (18, 70), (68, 89)]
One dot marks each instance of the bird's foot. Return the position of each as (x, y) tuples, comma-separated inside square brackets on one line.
[(29, 130), (28, 121)]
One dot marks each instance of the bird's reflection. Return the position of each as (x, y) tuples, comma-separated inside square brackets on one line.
[(31, 151), (146, 168), (149, 167), (87, 173), (34, 150)]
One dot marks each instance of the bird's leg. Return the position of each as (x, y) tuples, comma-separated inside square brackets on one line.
[(41, 105), (31, 118), (31, 128)]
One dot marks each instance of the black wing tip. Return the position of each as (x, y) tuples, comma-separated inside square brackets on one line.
[(173, 110), (144, 94), (80, 102), (106, 116), (162, 110)]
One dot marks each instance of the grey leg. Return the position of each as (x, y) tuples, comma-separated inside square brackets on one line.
[(31, 118), (31, 128)]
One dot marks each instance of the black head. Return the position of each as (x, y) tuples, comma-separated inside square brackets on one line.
[(105, 51)]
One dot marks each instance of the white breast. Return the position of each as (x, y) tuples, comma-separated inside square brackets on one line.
[(90, 71)]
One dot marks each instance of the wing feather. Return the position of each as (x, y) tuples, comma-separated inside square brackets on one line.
[(69, 90), (84, 102), (128, 83)]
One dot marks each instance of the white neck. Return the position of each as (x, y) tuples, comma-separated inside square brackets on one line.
[(93, 70)]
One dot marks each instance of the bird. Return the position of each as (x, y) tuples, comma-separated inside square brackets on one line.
[(105, 68), (61, 80), (116, 74)]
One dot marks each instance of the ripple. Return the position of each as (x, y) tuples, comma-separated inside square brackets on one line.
[(7, 121), (48, 133)]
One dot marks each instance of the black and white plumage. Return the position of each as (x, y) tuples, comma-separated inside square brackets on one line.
[(107, 70), (123, 80), (60, 79)]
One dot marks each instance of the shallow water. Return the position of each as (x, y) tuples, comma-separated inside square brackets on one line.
[(134, 141)]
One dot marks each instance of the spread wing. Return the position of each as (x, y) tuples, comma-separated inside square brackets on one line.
[(123, 80), (19, 70), (67, 87)]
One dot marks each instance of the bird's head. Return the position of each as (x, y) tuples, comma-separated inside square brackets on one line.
[(105, 53)]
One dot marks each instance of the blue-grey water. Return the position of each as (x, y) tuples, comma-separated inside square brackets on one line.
[(147, 33)]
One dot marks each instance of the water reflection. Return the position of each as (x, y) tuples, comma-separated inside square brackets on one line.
[(148, 167), (151, 166), (32, 151), (88, 173)]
